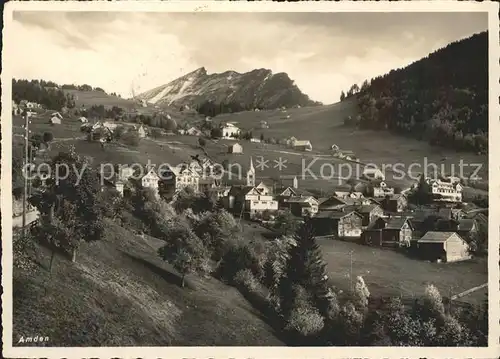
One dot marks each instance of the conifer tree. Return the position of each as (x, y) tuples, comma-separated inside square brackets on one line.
[(305, 267)]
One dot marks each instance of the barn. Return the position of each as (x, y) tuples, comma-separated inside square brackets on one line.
[(444, 246)]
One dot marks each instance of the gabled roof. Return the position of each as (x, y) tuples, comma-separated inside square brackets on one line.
[(397, 223), (302, 199), (335, 214), (437, 237), (300, 143), (367, 208), (332, 201)]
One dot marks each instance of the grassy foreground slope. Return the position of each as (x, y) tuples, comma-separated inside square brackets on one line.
[(119, 293)]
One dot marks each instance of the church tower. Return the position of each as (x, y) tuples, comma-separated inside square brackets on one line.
[(251, 174)]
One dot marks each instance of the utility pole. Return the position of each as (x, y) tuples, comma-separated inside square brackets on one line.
[(350, 273), (26, 158)]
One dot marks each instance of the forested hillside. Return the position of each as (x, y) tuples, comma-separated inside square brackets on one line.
[(442, 98)]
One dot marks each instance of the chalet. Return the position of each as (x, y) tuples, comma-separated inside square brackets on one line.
[(110, 124), (303, 206), (381, 190), (83, 119), (302, 145), (395, 203), (466, 228), (394, 231), (248, 201), (284, 194), (443, 246), (370, 213), (337, 223), (178, 177), (331, 204), (235, 148), (54, 120), (346, 195), (371, 173), (151, 180), (335, 147), (446, 189), (193, 131), (57, 114), (264, 189), (255, 140), (230, 131)]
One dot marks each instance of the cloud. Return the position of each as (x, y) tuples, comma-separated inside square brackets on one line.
[(323, 52)]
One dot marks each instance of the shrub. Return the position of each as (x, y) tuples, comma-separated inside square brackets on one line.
[(246, 279), (305, 321)]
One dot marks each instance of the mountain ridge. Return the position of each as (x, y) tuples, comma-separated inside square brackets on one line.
[(230, 91)]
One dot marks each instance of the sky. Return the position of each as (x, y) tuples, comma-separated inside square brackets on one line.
[(324, 53)]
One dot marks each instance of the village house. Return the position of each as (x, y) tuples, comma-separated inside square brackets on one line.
[(393, 231), (255, 140), (348, 194), (336, 203), (302, 145), (343, 225), (370, 213), (151, 180), (451, 213), (112, 125), (371, 173), (54, 120), (250, 200), (230, 131), (83, 119), (466, 228), (395, 203), (443, 246), (264, 189), (178, 177), (446, 189), (303, 206), (381, 190), (193, 131), (235, 148)]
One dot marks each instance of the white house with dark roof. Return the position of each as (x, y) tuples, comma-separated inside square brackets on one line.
[(302, 145), (447, 189), (230, 131), (179, 177)]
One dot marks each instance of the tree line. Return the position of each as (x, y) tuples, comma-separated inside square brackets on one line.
[(442, 98), (45, 93)]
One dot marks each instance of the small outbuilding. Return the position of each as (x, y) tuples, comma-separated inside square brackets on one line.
[(235, 148), (443, 246)]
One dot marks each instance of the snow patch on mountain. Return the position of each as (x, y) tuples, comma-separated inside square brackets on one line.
[(182, 91), (160, 94)]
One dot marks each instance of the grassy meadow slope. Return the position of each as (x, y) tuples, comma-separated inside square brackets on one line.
[(119, 293), (324, 126)]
